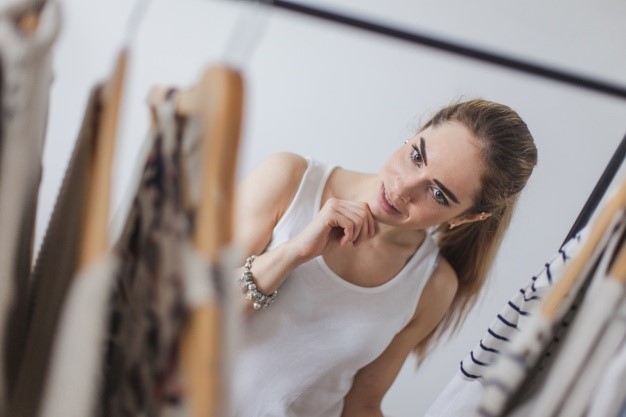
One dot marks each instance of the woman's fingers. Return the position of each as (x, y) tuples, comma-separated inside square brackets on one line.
[(364, 219), (369, 224), (372, 222), (348, 230), (351, 221), (354, 218)]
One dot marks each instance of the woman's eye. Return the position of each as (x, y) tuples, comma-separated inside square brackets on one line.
[(440, 197), (416, 156)]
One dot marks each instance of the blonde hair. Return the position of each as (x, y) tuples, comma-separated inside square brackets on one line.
[(509, 156)]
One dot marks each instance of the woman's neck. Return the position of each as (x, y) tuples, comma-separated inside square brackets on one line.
[(398, 236)]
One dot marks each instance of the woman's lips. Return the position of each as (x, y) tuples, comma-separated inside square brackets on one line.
[(385, 204)]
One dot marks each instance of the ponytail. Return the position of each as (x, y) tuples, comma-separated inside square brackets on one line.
[(509, 155)]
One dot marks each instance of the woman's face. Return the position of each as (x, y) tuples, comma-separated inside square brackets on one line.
[(429, 180)]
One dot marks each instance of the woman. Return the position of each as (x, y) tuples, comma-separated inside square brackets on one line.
[(370, 267)]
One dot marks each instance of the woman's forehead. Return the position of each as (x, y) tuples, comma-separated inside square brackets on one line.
[(454, 157)]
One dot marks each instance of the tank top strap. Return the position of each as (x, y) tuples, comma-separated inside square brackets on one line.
[(305, 203)]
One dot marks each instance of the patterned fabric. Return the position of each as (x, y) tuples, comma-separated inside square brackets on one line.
[(148, 308), (25, 78), (72, 387), (115, 353)]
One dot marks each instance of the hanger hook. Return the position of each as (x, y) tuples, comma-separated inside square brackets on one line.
[(247, 32), (137, 14)]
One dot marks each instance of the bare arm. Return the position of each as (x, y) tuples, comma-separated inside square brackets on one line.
[(262, 199), (372, 381)]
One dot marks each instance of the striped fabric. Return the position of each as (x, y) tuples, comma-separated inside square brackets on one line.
[(504, 377), (516, 313), (462, 394), (526, 362)]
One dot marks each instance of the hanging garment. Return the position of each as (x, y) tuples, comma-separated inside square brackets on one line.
[(74, 379), (578, 397), (610, 392), (299, 357), (26, 76), (55, 267), (148, 307), (520, 371), (136, 301), (462, 394), (586, 334), (76, 358)]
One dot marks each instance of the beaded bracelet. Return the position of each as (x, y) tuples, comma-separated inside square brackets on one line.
[(248, 287)]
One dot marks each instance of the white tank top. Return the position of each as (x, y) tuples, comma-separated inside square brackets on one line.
[(299, 356)]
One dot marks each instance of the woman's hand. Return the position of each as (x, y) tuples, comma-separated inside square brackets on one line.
[(343, 220)]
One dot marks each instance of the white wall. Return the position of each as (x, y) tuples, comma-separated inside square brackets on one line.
[(349, 98)]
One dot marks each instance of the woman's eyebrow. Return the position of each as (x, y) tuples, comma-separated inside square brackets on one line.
[(447, 191), (423, 149)]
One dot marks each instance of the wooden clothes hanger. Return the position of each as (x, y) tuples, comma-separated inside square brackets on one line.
[(618, 269), (550, 306), (218, 99), (94, 239)]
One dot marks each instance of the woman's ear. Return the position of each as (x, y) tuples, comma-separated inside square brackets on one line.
[(468, 218)]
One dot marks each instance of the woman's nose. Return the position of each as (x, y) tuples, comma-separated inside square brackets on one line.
[(403, 189)]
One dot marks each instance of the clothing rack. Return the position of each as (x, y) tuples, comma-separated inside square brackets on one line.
[(599, 190), (514, 63)]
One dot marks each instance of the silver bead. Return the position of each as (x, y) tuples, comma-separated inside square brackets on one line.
[(249, 288)]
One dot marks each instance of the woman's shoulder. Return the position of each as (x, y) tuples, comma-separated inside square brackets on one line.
[(287, 163), (264, 195), (443, 282), (274, 182), (284, 171)]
